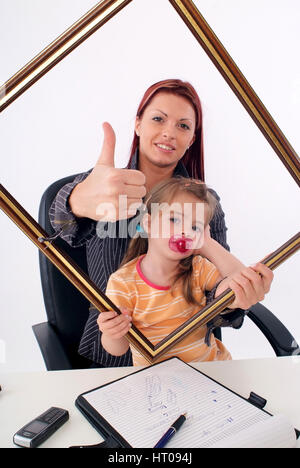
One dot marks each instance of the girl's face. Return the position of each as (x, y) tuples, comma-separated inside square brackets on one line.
[(177, 229), (166, 130)]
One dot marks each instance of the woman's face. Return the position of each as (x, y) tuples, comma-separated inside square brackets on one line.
[(166, 130)]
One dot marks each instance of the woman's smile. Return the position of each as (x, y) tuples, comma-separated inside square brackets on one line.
[(165, 148)]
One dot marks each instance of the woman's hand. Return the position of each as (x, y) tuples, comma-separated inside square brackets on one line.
[(249, 286), (98, 196), (113, 325)]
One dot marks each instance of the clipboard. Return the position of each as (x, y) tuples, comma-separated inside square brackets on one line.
[(171, 376)]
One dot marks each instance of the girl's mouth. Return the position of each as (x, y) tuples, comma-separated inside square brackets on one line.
[(180, 244)]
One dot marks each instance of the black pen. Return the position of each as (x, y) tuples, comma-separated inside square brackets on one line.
[(171, 431)]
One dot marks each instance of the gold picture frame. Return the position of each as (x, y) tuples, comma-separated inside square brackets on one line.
[(58, 50), (82, 282)]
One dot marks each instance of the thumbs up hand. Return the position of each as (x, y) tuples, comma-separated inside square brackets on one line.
[(102, 195)]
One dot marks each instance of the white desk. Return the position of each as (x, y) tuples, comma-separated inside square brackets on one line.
[(26, 395)]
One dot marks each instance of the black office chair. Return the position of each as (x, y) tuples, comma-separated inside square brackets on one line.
[(67, 309)]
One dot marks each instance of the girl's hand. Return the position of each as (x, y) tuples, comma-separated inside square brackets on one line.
[(249, 286), (204, 244), (206, 234), (113, 325)]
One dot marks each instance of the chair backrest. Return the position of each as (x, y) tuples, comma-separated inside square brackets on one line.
[(67, 309)]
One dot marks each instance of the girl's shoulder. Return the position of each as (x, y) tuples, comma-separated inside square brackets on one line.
[(205, 274), (201, 263), (197, 260), (197, 263)]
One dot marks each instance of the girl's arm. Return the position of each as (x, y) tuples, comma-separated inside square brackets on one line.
[(225, 262), (114, 328)]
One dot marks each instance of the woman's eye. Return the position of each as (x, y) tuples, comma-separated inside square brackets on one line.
[(197, 228), (175, 220), (157, 119), (184, 126)]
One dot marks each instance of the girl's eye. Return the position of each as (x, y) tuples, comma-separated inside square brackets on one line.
[(197, 228), (175, 220)]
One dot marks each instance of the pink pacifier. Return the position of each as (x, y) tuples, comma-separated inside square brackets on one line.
[(179, 243)]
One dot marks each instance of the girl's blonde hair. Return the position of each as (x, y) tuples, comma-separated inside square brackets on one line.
[(166, 191)]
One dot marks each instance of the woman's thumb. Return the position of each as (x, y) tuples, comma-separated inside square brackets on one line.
[(107, 155)]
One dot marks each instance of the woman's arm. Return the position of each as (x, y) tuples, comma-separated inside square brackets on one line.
[(218, 228), (75, 231)]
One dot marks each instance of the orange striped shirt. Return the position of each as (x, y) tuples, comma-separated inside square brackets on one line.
[(156, 311)]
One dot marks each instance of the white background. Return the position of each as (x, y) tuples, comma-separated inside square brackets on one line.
[(54, 130)]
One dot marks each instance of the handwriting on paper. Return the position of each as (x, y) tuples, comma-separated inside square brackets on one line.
[(160, 400)]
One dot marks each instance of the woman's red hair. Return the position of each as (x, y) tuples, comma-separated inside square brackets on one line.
[(193, 158)]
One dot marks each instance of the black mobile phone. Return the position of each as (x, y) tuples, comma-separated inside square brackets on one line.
[(37, 431)]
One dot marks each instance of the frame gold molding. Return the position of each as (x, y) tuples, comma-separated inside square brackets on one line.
[(59, 49), (238, 83), (82, 282), (53, 54), (103, 12)]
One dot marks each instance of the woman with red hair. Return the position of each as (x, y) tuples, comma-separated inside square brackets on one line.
[(100, 208), (193, 158)]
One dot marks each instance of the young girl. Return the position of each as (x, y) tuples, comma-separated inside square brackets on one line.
[(161, 282)]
